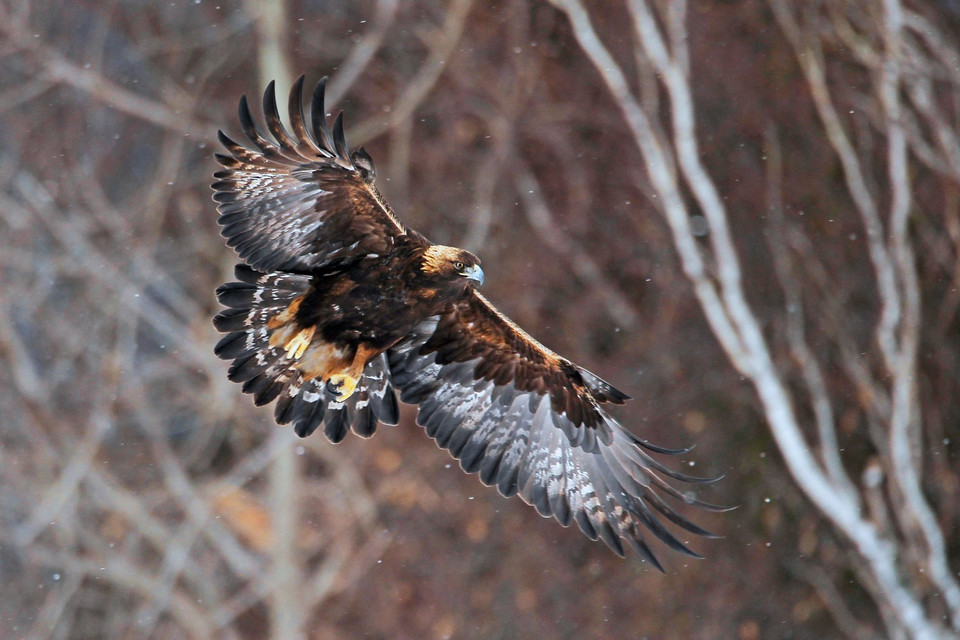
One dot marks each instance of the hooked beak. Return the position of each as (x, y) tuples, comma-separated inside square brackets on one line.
[(474, 273)]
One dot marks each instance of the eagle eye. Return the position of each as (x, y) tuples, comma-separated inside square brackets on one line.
[(458, 265)]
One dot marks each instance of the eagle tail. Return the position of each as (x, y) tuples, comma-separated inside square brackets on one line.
[(266, 372)]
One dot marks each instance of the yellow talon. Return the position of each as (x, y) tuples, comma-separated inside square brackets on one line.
[(299, 343), (343, 385)]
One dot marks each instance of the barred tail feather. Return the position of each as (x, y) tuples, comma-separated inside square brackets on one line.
[(265, 371)]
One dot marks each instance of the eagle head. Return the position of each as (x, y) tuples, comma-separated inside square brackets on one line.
[(450, 263)]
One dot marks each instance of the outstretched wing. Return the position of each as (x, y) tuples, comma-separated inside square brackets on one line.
[(299, 201), (533, 424)]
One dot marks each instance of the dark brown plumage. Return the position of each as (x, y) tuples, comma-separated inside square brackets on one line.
[(337, 304)]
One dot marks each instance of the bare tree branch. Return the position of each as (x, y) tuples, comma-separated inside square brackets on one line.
[(723, 301)]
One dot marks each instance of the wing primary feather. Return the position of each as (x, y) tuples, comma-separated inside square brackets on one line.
[(231, 320), (543, 489), (619, 482), (252, 131), (664, 535), (609, 526), (586, 525), (600, 389), (493, 455), (686, 498), (457, 440), (557, 484), (484, 437), (603, 515), (339, 139), (671, 473), (658, 449), (250, 366), (509, 465), (245, 273), (657, 503), (489, 467), (230, 144), (307, 146), (536, 448), (318, 118), (640, 546), (628, 455), (231, 345), (471, 454), (288, 146)]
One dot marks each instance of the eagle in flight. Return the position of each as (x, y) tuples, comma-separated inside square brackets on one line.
[(337, 304)]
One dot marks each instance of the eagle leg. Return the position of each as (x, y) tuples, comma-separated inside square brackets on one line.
[(296, 345), (343, 384), (284, 330)]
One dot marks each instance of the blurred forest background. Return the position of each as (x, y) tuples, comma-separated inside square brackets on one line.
[(745, 214)]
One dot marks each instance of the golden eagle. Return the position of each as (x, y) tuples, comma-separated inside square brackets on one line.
[(338, 303)]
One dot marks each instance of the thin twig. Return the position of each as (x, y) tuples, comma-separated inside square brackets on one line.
[(586, 269), (444, 45), (362, 53), (67, 483)]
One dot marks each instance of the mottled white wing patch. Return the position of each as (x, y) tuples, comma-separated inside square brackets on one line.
[(270, 219)]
